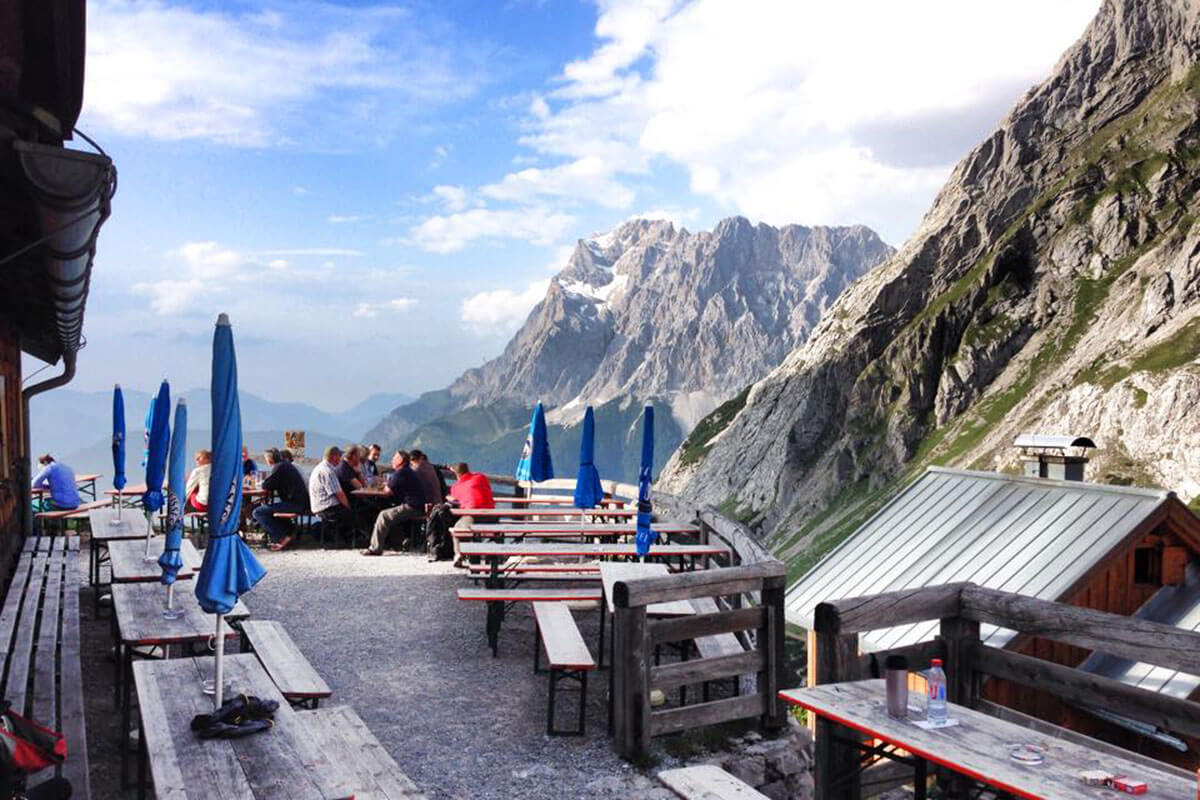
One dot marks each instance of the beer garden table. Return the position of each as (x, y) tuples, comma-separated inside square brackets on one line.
[(105, 528), (128, 563), (285, 761), (544, 511), (138, 622), (978, 747)]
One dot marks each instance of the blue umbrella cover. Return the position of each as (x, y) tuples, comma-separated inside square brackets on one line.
[(118, 438), (645, 536), (156, 457), (535, 464), (588, 491), (229, 569), (170, 560)]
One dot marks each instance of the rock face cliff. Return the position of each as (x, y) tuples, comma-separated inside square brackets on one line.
[(1054, 286), (649, 313)]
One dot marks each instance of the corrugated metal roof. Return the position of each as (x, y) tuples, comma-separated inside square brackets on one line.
[(1031, 536), (1170, 605)]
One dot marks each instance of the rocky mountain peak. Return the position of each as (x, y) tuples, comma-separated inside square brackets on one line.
[(1053, 286)]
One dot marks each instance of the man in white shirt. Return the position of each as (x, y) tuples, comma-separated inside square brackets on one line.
[(325, 495)]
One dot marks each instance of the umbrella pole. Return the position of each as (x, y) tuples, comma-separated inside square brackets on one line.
[(119, 504), (218, 673), (149, 533)]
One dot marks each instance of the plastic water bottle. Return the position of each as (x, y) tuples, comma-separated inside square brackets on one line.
[(935, 681)]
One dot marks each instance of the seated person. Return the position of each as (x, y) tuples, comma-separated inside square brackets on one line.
[(284, 481), (347, 471), (470, 490), (248, 466), (433, 486), (370, 464), (325, 495), (405, 490), (196, 490), (60, 480)]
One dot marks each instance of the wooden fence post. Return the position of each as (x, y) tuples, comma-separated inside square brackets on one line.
[(771, 642), (961, 637), (836, 762), (631, 683)]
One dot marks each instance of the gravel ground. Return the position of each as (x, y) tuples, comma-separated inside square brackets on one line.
[(392, 640)]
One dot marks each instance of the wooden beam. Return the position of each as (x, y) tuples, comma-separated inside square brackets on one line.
[(697, 625), (857, 614), (961, 637), (1086, 689), (871, 665), (701, 714), (1125, 637), (699, 670), (700, 583)]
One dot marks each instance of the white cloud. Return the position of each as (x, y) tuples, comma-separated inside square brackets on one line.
[(345, 219), (452, 232), (678, 216), (451, 198), (501, 311), (173, 297), (440, 153), (315, 251), (589, 178), (313, 74), (372, 310), (301, 191), (793, 111)]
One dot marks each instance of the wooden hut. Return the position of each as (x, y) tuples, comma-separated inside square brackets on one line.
[(1123, 550)]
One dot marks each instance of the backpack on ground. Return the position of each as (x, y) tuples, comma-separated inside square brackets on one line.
[(439, 542)]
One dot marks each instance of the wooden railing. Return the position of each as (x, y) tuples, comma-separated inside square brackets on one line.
[(961, 608), (635, 637)]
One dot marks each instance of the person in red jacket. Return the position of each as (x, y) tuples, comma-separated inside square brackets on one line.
[(470, 490)]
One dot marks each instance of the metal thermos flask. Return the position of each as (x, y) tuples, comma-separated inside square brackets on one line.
[(896, 679)]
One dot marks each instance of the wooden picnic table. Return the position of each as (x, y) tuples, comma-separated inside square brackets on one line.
[(519, 529), (978, 747), (130, 496), (105, 528), (613, 571), (138, 622), (128, 564), (544, 511), (607, 502), (286, 761), (497, 551)]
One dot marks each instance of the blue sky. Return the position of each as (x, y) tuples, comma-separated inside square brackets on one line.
[(377, 193)]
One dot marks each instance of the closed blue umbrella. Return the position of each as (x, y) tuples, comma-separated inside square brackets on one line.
[(118, 444), (229, 569), (156, 458), (645, 536), (535, 464), (588, 491), (170, 560)]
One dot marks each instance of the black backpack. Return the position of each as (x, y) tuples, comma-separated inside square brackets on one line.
[(439, 542)]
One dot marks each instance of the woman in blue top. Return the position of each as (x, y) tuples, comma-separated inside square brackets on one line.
[(60, 480)]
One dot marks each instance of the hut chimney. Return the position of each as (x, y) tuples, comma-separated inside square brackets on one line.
[(1059, 457)]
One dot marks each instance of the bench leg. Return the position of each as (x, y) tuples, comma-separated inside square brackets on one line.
[(557, 675), (142, 755), (495, 616)]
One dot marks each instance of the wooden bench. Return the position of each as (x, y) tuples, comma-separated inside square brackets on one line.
[(567, 657), (39, 631), (707, 782), (58, 518), (500, 600), (347, 742), (483, 570), (297, 518), (281, 658)]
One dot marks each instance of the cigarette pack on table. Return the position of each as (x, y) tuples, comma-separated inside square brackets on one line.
[(1128, 785)]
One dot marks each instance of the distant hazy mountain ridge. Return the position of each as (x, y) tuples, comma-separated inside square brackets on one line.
[(649, 313), (1054, 286)]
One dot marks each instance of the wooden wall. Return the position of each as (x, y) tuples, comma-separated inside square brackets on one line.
[(11, 447), (1114, 590)]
